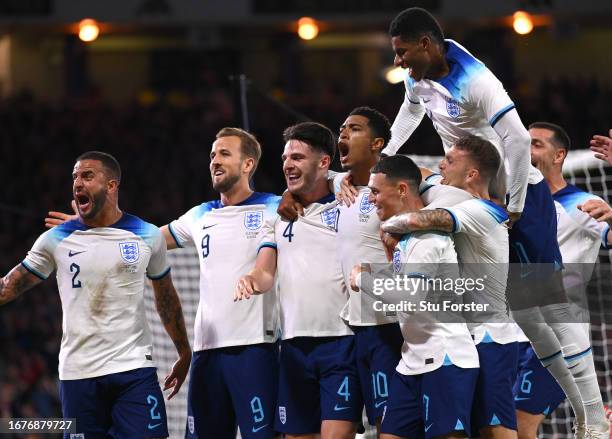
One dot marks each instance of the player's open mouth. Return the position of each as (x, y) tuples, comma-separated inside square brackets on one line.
[(83, 201), (218, 172), (343, 149), (292, 177)]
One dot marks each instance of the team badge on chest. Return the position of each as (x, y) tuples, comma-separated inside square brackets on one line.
[(365, 206), (253, 220), (129, 251), (453, 108), (397, 261), (330, 218)]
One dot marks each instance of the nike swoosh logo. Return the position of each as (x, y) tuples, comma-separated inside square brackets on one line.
[(425, 101), (255, 430), (517, 398), (336, 408), (208, 227), (575, 365), (71, 253), (378, 404), (428, 427), (151, 427)]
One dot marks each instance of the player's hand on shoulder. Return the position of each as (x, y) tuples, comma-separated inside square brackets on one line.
[(598, 210), (289, 207), (602, 147), (245, 288), (513, 217), (398, 224), (177, 375), (348, 192), (389, 241), (56, 218)]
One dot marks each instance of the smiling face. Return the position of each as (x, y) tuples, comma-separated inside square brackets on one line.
[(385, 195), (226, 163), (90, 187), (303, 166), (355, 142), (413, 55)]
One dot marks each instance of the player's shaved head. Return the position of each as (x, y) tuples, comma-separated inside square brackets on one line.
[(482, 154), (317, 136), (378, 122), (110, 163), (560, 139), (413, 23), (399, 168), (249, 146)]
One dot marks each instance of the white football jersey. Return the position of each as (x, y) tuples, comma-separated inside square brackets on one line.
[(430, 344), (358, 243), (469, 100), (481, 237), (100, 277), (311, 286), (227, 239), (581, 240)]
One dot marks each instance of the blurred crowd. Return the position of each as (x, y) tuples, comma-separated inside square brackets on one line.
[(163, 143)]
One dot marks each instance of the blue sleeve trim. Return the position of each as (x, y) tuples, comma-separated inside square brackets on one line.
[(550, 357), (604, 238), (417, 275), (160, 276), (32, 271), (456, 222), (500, 114), (266, 244), (434, 175), (174, 235), (424, 188)]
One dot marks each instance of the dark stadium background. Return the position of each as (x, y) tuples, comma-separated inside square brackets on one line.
[(164, 76)]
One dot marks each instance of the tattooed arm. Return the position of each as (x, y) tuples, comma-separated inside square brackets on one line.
[(17, 281), (169, 309), (438, 219)]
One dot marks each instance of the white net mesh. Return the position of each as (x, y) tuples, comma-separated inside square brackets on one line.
[(581, 169)]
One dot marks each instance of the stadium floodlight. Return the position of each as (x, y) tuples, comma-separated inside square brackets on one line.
[(522, 22), (88, 30), (394, 75), (308, 28)]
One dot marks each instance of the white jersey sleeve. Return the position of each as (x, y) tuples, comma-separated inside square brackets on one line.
[(181, 228), (158, 265), (476, 217), (39, 260)]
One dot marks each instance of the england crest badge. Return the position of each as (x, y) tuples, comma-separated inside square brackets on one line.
[(365, 206), (397, 261), (282, 414), (253, 220), (330, 218), (129, 251), (453, 108), (190, 424)]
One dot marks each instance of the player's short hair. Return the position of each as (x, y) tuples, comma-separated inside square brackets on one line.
[(399, 167), (412, 23), (318, 136), (482, 153), (249, 146), (378, 122), (560, 139), (109, 162)]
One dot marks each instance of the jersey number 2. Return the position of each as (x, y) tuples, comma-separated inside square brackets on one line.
[(74, 268)]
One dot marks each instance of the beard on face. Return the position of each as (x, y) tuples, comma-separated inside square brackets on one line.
[(97, 201), (226, 184)]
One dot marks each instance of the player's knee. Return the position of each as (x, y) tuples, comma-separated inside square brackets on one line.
[(338, 429), (498, 432), (527, 424)]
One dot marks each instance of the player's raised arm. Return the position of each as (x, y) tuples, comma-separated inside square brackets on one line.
[(16, 282), (261, 278), (602, 147), (171, 314), (408, 118)]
